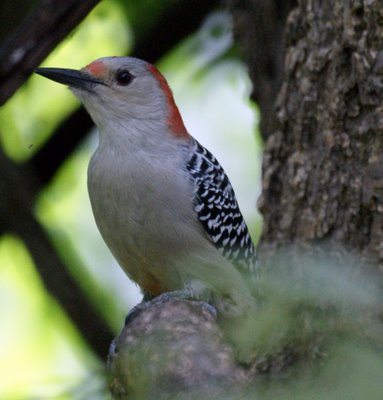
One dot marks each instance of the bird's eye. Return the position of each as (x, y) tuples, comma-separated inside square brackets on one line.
[(124, 77)]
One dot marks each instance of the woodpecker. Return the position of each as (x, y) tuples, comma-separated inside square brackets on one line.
[(162, 202)]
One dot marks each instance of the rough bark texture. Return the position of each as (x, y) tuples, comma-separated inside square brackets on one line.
[(323, 167), (259, 28), (174, 349), (323, 178)]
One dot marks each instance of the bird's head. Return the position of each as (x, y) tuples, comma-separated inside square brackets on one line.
[(120, 90)]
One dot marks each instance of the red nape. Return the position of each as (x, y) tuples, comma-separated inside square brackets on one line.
[(174, 120)]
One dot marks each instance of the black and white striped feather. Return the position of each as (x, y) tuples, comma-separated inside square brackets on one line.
[(217, 209)]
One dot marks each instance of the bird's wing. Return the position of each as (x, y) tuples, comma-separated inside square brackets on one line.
[(217, 209)]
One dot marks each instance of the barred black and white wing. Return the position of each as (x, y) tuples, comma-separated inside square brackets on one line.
[(217, 209)]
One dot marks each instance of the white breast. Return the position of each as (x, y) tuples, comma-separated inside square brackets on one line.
[(142, 202)]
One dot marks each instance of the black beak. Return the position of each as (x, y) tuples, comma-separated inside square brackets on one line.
[(70, 77)]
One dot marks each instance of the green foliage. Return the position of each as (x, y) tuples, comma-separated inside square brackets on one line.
[(144, 13), (42, 353), (64, 210), (34, 332), (318, 331), (317, 335), (32, 114)]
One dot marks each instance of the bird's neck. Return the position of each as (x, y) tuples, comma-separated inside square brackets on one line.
[(140, 135)]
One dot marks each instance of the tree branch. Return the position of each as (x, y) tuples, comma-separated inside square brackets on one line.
[(174, 348), (35, 38), (22, 184), (17, 218)]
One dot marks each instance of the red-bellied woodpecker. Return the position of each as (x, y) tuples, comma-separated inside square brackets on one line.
[(162, 202)]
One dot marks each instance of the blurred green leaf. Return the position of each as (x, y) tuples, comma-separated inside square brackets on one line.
[(39, 346), (31, 115)]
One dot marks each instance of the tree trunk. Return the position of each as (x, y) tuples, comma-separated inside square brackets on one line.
[(323, 165), (322, 178), (259, 27)]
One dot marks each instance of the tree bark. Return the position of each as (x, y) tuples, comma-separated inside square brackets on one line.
[(322, 178), (259, 27), (35, 38), (323, 165), (174, 349)]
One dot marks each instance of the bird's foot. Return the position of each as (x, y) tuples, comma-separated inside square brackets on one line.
[(184, 295), (192, 292)]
